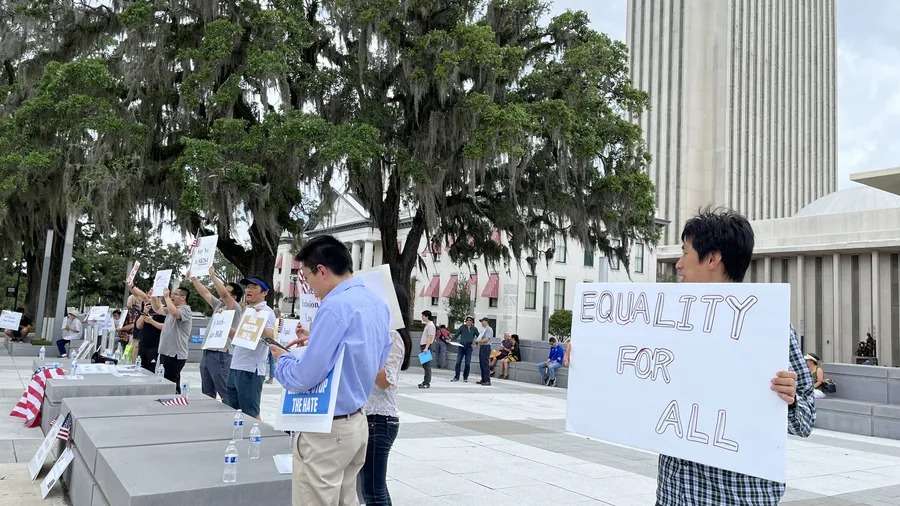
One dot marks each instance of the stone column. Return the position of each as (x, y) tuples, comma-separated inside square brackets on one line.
[(801, 300), (767, 269), (355, 254), (840, 349), (878, 332), (368, 255)]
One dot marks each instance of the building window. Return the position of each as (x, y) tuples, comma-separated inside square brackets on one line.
[(639, 258), (559, 294), (492, 302), (559, 253), (434, 301), (530, 292), (614, 262), (588, 257)]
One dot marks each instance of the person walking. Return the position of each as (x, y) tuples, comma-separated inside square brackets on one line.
[(382, 414), (351, 320), (484, 351), (465, 336), (425, 343), (215, 363)]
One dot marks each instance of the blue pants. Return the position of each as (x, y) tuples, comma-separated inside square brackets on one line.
[(464, 352), (214, 369), (243, 391), (548, 370), (484, 358), (373, 475)]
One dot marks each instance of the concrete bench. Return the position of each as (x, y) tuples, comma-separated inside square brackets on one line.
[(858, 417)]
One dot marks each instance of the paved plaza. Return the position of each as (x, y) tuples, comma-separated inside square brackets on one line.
[(461, 444)]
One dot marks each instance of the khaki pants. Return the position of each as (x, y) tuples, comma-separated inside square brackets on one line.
[(326, 464)]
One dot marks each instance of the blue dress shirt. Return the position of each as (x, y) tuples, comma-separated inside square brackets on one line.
[(353, 316)]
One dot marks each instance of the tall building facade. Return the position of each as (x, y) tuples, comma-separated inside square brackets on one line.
[(742, 101)]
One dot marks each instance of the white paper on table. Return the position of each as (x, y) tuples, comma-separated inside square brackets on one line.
[(97, 369), (10, 320), (56, 471), (287, 331), (40, 456), (133, 272), (203, 256), (284, 463), (217, 335), (379, 280), (250, 329), (655, 354), (161, 282)]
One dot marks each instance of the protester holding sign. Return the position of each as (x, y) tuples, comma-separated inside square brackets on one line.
[(215, 363), (717, 247), (353, 319), (71, 330), (382, 414), (147, 330), (248, 366), (176, 331)]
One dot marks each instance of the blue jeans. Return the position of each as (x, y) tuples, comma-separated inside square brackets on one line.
[(271, 365), (61, 346), (214, 369), (243, 391), (465, 351), (439, 350), (548, 370), (484, 358), (373, 475)]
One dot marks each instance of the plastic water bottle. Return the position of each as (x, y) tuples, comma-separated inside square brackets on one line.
[(74, 368), (231, 459), (185, 390), (42, 354), (255, 442), (137, 362), (160, 370), (238, 428)]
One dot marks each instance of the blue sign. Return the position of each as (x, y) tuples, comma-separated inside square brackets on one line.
[(312, 410), (196, 339), (311, 402)]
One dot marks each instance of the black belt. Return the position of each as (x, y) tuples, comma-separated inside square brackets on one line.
[(344, 417)]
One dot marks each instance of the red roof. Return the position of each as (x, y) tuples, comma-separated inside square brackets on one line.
[(492, 289), (450, 289), (433, 287)]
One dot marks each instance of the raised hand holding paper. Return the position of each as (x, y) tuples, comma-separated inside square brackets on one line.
[(131, 274), (651, 362), (203, 255), (161, 282)]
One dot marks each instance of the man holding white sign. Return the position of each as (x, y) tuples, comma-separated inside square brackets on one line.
[(250, 359), (354, 319), (668, 349), (215, 363)]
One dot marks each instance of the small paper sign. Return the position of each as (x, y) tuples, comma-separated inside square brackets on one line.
[(217, 337), (98, 314), (133, 272), (161, 282), (313, 410), (10, 320), (287, 331), (309, 306), (250, 329), (40, 456), (379, 281), (203, 255), (56, 471)]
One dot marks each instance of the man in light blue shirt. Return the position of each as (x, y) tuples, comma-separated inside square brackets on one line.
[(353, 319)]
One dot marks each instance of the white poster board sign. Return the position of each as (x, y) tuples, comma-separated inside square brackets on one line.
[(309, 306), (217, 336), (203, 255), (379, 280), (313, 410), (98, 314), (683, 370), (83, 350), (161, 283), (250, 329), (10, 320), (40, 456), (56, 471), (133, 272), (287, 331)]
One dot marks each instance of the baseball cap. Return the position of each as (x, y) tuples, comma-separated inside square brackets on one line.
[(253, 280)]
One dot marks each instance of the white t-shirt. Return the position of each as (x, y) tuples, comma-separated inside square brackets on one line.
[(428, 334), (71, 329)]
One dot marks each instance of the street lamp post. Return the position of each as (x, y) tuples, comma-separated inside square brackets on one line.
[(294, 298)]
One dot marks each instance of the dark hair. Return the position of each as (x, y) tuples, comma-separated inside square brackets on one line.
[(116, 311), (442, 326), (725, 231), (515, 337), (427, 314), (552, 339), (328, 251), (184, 291), (237, 291)]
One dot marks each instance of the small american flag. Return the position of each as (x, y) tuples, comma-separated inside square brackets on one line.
[(65, 429), (178, 400)]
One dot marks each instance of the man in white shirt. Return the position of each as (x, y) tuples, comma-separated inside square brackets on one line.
[(484, 351), (248, 367), (425, 343), (71, 330)]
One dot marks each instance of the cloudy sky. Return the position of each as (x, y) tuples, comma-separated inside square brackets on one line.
[(868, 77)]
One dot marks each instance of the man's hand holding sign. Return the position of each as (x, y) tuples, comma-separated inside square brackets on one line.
[(689, 370)]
